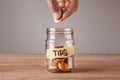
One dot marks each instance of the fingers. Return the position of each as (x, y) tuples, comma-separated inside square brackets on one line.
[(54, 8), (73, 6), (62, 9)]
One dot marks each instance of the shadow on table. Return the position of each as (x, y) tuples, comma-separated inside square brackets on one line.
[(88, 69)]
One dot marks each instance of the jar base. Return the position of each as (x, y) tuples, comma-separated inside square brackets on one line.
[(59, 71)]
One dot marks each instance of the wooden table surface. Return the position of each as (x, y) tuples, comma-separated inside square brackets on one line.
[(32, 67)]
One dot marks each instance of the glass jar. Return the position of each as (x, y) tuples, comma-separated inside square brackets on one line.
[(60, 49)]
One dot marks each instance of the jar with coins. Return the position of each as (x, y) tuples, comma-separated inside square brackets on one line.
[(60, 49)]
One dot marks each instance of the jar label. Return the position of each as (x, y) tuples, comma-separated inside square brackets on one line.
[(64, 52)]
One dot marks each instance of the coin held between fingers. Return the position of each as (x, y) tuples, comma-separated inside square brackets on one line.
[(58, 20)]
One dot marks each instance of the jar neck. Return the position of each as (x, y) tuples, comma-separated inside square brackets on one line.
[(55, 33)]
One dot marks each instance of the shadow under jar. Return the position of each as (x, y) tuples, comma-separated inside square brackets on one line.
[(60, 50)]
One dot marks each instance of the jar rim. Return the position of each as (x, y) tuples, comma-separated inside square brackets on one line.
[(60, 30)]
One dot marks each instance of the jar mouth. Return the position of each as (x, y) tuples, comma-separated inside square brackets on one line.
[(59, 30)]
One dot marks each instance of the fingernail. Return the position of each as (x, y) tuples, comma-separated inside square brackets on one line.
[(56, 15)]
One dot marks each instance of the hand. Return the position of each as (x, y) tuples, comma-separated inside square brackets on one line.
[(62, 9)]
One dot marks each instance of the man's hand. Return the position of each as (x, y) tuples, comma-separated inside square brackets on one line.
[(62, 9)]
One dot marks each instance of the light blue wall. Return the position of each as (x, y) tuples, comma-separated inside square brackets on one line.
[(23, 24)]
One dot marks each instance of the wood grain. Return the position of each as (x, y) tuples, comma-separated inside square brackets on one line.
[(32, 67)]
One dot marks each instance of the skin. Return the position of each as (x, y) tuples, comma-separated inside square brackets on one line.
[(62, 9)]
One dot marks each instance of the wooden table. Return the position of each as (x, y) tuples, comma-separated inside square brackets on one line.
[(32, 67)]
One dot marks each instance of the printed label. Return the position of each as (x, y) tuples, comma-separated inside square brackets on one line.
[(64, 52)]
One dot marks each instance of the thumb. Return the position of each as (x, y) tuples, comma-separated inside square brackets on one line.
[(56, 15), (54, 8)]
